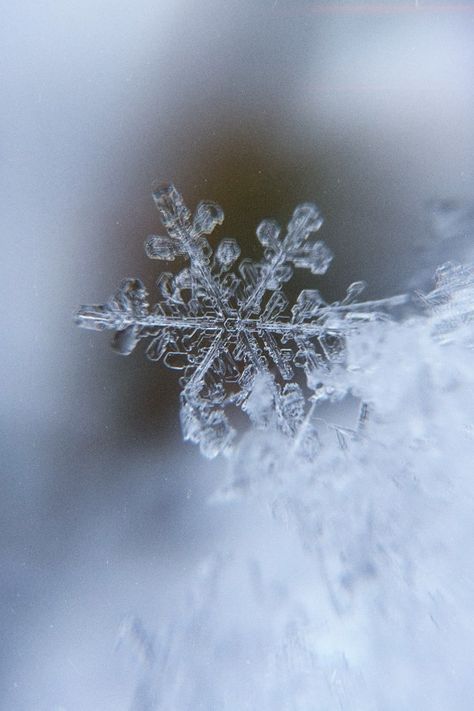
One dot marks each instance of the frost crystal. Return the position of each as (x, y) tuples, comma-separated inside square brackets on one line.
[(349, 589), (230, 330)]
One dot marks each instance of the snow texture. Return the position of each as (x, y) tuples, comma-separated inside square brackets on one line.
[(231, 331), (350, 587)]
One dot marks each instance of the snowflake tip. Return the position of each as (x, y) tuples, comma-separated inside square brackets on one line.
[(227, 252), (124, 342), (207, 216), (306, 217), (170, 205), (268, 233), (163, 248)]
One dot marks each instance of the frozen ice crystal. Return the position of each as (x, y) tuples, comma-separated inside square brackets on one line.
[(350, 587), (230, 330)]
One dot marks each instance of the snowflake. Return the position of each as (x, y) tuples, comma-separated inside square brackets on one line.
[(230, 330)]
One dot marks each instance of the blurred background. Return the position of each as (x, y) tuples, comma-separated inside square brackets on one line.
[(364, 108)]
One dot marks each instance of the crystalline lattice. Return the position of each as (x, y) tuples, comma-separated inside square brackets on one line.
[(227, 325)]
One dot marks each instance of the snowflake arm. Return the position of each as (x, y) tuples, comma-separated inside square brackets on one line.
[(282, 254)]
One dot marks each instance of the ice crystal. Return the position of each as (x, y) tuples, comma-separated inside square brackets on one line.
[(228, 326), (347, 589)]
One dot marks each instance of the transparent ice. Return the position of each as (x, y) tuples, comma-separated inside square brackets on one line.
[(231, 329), (349, 585)]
